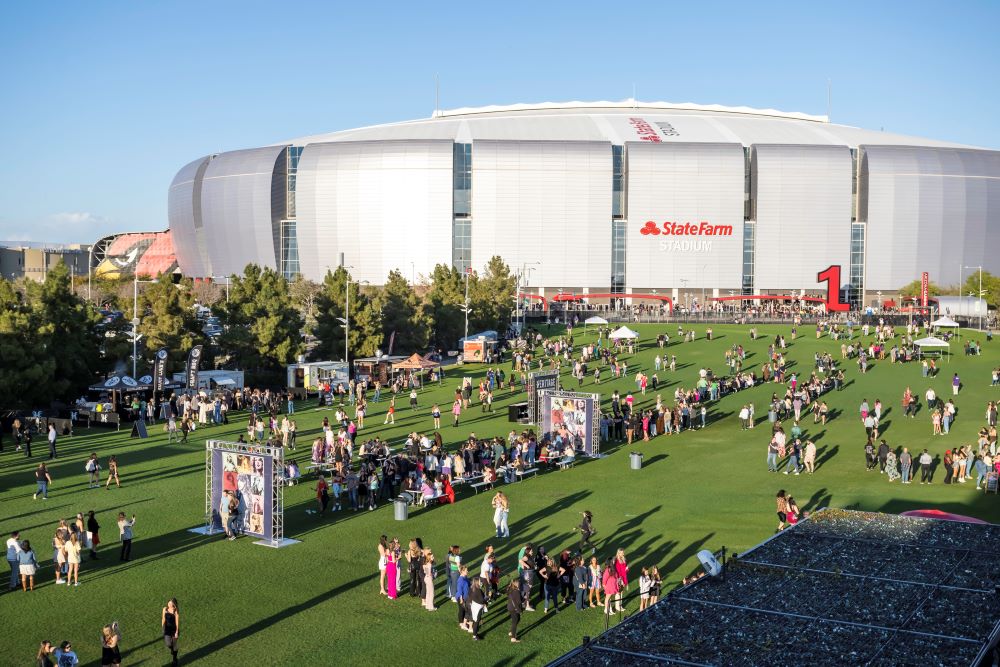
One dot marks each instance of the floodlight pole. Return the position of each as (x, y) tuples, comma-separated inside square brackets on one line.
[(980, 291)]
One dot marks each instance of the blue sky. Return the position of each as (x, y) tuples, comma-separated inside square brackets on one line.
[(103, 102)]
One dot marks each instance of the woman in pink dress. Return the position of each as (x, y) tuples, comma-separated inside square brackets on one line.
[(391, 559), (621, 568)]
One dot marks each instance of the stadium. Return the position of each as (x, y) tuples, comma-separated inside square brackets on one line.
[(600, 198)]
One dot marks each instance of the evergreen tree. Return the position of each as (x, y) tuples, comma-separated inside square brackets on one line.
[(167, 319), (444, 306), (403, 315), (26, 374), (492, 297), (66, 331), (262, 325)]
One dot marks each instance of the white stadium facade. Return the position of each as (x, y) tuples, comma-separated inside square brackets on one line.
[(600, 198)]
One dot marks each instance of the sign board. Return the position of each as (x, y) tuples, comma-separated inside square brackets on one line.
[(537, 382), (474, 351), (139, 430), (925, 283)]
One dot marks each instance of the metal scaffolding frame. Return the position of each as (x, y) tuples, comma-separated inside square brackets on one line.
[(595, 418)]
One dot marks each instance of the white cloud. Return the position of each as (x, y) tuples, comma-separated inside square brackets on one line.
[(76, 218)]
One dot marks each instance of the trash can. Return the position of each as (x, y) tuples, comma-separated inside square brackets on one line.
[(635, 460), (401, 509)]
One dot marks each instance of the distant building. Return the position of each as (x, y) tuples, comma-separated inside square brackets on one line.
[(34, 261)]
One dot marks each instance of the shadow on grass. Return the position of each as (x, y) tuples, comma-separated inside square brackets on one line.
[(823, 454)]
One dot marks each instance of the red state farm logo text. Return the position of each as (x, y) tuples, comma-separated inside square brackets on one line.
[(703, 228)]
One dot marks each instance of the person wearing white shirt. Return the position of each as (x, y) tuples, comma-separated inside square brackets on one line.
[(925, 467), (931, 397), (13, 551)]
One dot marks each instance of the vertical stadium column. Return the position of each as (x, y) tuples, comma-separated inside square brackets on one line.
[(461, 227)]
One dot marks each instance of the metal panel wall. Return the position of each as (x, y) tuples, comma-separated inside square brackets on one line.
[(181, 218), (930, 209), (803, 214), (385, 204), (685, 183), (236, 209), (547, 202)]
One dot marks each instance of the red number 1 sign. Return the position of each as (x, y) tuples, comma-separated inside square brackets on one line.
[(831, 276)]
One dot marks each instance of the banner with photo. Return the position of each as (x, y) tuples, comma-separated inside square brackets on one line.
[(538, 382), (571, 417), (249, 475)]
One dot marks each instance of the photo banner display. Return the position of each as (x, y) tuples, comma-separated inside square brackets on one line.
[(572, 416), (539, 381), (192, 368), (249, 475)]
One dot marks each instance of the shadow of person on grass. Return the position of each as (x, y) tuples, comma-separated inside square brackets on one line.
[(823, 455)]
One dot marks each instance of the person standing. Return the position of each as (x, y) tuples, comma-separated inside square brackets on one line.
[(454, 568), (462, 598), (65, 656), (956, 382), (43, 479), (111, 655), (477, 606), (171, 623), (428, 568), (611, 586), (322, 495), (392, 571), (27, 566), (514, 608), (580, 577), (905, 462), (125, 535), (925, 461), (809, 457), (73, 548), (52, 440), (42, 659), (13, 551), (224, 515), (498, 509), (93, 528)]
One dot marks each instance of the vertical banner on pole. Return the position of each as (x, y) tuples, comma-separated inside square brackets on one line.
[(160, 369), (924, 288), (193, 366)]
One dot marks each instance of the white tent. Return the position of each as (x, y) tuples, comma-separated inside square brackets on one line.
[(945, 322), (935, 345), (595, 320), (623, 332)]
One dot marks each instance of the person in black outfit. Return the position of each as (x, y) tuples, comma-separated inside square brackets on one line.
[(26, 430), (883, 453), (477, 604), (171, 628), (413, 557), (587, 531), (514, 607)]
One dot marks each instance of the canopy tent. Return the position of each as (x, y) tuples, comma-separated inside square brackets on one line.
[(933, 344), (623, 332), (414, 363), (121, 383), (945, 322), (595, 320)]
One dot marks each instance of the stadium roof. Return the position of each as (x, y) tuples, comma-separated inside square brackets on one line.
[(839, 588), (621, 122)]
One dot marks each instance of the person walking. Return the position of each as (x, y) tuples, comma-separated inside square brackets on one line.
[(125, 535), (809, 457), (43, 479), (93, 468), (587, 531), (52, 440), (956, 383), (905, 462), (13, 551), (170, 621), (477, 606), (514, 608), (113, 473), (925, 461)]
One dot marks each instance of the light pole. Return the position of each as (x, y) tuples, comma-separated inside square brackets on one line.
[(980, 293), (227, 284), (704, 270), (135, 320), (465, 308)]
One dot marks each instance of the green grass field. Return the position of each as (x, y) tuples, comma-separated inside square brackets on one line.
[(318, 602)]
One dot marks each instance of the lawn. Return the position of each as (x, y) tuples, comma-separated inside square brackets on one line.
[(318, 602)]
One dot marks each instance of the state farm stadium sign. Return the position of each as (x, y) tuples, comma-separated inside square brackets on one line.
[(685, 236)]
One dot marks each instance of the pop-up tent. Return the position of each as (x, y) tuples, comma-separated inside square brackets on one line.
[(932, 344), (947, 323), (595, 320), (122, 383), (623, 332)]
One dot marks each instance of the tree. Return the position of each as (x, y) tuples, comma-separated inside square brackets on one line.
[(167, 318), (913, 289), (262, 326), (330, 304), (366, 326), (305, 293), (66, 328), (991, 287), (24, 382), (404, 315), (443, 302), (492, 297)]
